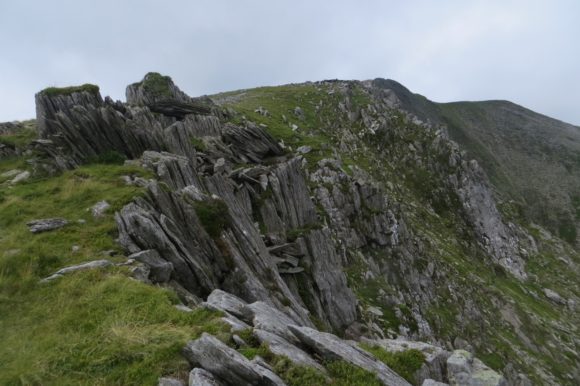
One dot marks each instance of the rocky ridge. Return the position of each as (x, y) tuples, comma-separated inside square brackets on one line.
[(305, 233)]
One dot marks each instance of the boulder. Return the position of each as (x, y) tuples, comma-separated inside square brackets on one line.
[(267, 318), (99, 209), (45, 225), (200, 377), (227, 302), (169, 382), (464, 369), (159, 269), (225, 363), (331, 347), (282, 347)]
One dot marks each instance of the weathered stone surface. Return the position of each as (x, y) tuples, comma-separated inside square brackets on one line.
[(99, 209), (250, 143), (554, 296), (464, 369), (80, 267), (159, 269), (269, 319), (281, 346), (200, 377), (225, 363), (332, 348), (45, 225), (169, 382), (431, 382), (224, 301)]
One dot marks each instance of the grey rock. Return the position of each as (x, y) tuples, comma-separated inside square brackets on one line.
[(266, 372), (554, 296), (281, 346), (22, 176), (464, 369), (331, 347), (225, 363), (304, 149), (229, 303), (99, 209), (200, 377), (183, 308), (80, 267), (11, 173), (141, 273), (159, 269), (45, 225), (431, 382), (169, 382), (235, 323), (267, 318)]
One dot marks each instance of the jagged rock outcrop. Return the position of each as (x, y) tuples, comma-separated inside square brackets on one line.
[(231, 209), (161, 95)]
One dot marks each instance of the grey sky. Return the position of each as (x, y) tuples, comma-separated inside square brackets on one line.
[(524, 51)]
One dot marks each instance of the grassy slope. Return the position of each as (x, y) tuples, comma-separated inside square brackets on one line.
[(98, 327)]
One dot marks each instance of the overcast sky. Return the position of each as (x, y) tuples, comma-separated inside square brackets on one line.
[(524, 51)]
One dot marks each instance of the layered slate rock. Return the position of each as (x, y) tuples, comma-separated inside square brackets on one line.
[(331, 347), (161, 95), (225, 363)]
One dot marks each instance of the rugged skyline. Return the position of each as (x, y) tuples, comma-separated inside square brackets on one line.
[(522, 51)]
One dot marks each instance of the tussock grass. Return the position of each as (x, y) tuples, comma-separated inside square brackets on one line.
[(98, 327)]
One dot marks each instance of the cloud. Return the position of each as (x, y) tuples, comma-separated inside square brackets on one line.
[(524, 51)]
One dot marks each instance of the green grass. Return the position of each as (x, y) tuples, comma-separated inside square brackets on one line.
[(157, 84), (96, 327), (22, 137), (87, 87), (214, 216), (405, 363)]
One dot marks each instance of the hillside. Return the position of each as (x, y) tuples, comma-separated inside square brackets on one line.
[(530, 158), (306, 234)]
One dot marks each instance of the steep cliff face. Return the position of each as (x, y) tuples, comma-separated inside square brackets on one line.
[(334, 204)]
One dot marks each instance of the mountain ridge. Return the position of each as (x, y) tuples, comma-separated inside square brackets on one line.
[(338, 208)]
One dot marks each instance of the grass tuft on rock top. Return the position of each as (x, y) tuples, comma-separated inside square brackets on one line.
[(96, 327), (157, 84), (87, 87)]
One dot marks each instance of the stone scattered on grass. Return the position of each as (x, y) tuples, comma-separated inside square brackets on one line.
[(47, 224)]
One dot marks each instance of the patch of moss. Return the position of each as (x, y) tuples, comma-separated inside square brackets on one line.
[(87, 87), (157, 84), (214, 216), (405, 363), (198, 144)]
